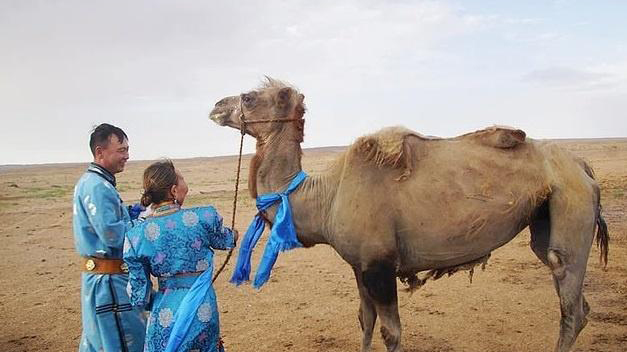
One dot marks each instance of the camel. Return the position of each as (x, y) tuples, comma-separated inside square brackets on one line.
[(397, 203)]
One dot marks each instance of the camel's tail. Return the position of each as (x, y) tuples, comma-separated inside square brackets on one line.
[(603, 237)]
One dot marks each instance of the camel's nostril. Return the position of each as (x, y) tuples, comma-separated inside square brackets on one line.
[(221, 102)]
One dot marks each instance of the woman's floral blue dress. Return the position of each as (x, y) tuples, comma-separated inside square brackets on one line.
[(167, 245)]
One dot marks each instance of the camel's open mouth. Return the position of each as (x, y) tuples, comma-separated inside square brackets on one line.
[(219, 117)]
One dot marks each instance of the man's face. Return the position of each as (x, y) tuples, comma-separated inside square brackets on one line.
[(113, 157)]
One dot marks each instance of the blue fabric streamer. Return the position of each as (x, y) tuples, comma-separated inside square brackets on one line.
[(282, 236), (187, 310), (134, 210)]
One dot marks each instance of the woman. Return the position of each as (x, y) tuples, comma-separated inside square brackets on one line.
[(176, 246)]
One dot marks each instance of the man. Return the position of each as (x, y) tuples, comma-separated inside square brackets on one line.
[(100, 221)]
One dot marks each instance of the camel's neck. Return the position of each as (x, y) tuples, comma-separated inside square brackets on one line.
[(276, 162)]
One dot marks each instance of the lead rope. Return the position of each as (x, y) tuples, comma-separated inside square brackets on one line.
[(239, 165)]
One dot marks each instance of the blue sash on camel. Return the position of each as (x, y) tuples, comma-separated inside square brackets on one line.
[(282, 236)]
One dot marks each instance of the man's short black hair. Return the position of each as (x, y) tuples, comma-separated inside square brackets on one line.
[(101, 134)]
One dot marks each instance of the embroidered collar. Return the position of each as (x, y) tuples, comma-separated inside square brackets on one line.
[(104, 173), (165, 210), (282, 236)]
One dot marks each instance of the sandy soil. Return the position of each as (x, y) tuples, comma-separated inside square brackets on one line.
[(311, 302)]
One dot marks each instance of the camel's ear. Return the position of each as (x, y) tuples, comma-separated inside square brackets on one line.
[(283, 98)]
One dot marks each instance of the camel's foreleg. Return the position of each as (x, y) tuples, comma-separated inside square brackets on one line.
[(379, 280), (540, 228), (367, 312)]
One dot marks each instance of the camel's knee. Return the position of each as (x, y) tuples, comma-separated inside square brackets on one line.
[(557, 263), (380, 282)]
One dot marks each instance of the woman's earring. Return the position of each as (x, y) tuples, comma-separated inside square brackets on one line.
[(176, 202)]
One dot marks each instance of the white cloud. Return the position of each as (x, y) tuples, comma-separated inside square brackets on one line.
[(575, 79)]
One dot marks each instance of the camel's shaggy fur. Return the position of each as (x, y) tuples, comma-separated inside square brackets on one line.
[(413, 282), (385, 147)]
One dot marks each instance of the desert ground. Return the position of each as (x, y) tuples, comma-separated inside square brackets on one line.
[(311, 302)]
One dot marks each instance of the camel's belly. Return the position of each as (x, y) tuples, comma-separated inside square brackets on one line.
[(462, 211), (426, 248)]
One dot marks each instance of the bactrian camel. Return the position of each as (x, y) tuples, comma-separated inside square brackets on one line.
[(397, 203)]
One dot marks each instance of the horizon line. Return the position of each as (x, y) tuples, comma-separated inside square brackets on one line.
[(13, 165)]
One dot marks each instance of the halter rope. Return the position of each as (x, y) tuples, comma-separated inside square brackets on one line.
[(243, 123)]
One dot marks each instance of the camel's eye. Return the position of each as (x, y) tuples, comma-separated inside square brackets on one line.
[(247, 99)]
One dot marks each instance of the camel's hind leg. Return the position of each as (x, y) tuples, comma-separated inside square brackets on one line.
[(367, 312), (540, 228), (572, 224)]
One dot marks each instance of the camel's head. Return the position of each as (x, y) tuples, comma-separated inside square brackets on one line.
[(274, 108)]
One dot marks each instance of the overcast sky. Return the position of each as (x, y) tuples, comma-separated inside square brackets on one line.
[(557, 69)]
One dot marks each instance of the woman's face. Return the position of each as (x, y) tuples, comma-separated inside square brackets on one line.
[(179, 190)]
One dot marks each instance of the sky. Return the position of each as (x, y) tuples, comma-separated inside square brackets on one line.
[(155, 68)]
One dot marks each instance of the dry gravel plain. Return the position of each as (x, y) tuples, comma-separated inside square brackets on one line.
[(311, 302)]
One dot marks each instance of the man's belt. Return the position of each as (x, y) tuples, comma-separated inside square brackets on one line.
[(103, 266)]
